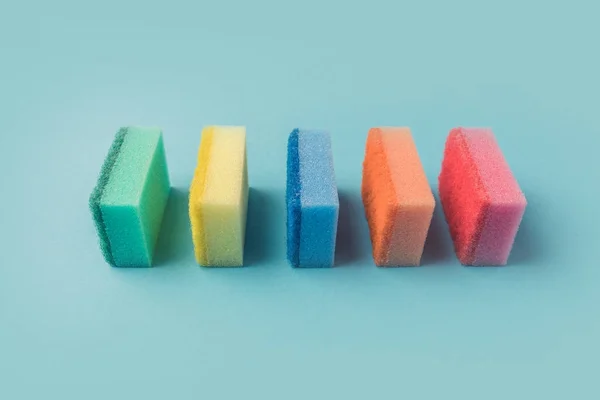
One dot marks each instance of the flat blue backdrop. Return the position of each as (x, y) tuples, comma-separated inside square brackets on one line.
[(73, 72)]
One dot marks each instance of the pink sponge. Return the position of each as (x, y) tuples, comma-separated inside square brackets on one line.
[(481, 199)]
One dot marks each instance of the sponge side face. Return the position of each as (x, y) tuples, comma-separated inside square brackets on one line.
[(397, 197), (507, 202), (318, 199), (224, 175), (292, 195), (225, 198), (498, 234), (317, 240), (481, 198), (96, 195), (463, 196), (377, 194), (126, 233), (155, 196), (414, 200), (135, 196), (219, 198)]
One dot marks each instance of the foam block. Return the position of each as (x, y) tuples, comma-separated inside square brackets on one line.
[(397, 198), (219, 197), (130, 196), (482, 201), (312, 200)]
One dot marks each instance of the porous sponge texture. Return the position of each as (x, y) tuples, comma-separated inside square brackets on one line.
[(219, 197), (154, 197), (318, 199), (196, 195), (133, 197), (318, 235), (482, 200), (96, 195), (463, 197), (292, 195), (378, 196), (312, 200), (397, 198)]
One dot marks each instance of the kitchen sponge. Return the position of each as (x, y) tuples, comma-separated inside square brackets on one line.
[(312, 200), (397, 197), (219, 197), (482, 201), (130, 196)]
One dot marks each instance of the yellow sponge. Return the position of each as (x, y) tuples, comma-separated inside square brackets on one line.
[(219, 197)]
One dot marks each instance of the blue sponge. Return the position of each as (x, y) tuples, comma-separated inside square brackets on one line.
[(312, 200), (292, 195)]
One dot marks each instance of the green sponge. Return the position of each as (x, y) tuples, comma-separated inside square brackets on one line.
[(129, 199)]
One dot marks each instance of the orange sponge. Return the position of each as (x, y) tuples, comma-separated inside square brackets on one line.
[(397, 197)]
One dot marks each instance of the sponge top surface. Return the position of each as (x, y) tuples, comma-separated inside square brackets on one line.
[(404, 165), (223, 183), (499, 183), (128, 176), (317, 175)]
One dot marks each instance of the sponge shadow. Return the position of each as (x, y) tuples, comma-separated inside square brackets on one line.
[(438, 245), (175, 239), (262, 225), (353, 243)]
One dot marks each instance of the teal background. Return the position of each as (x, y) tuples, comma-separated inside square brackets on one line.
[(73, 72)]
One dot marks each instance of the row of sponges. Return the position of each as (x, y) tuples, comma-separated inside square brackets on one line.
[(131, 194), (481, 199)]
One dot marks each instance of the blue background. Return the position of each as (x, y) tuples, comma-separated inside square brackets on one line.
[(73, 72)]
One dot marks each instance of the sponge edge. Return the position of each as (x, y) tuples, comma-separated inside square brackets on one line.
[(482, 200), (293, 200), (219, 197), (196, 194), (96, 196)]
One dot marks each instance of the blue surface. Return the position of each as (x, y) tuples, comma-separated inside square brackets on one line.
[(318, 199), (317, 236), (317, 174), (292, 197), (74, 72)]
